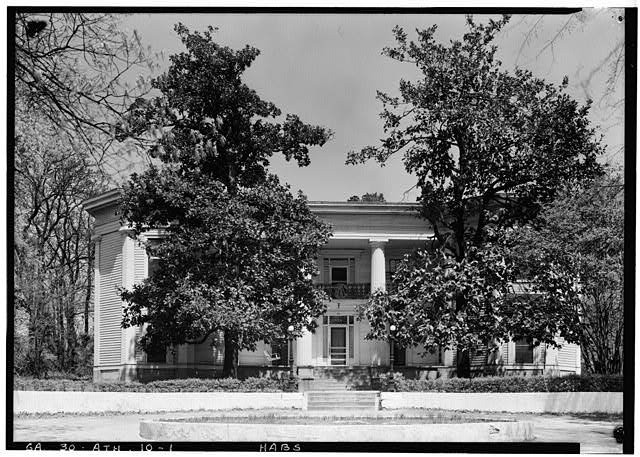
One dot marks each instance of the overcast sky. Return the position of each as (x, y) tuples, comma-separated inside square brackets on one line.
[(327, 68)]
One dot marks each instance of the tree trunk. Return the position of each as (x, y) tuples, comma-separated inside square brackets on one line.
[(87, 299), (229, 368), (463, 363), (463, 360)]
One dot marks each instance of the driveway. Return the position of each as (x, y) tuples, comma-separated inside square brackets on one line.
[(594, 436)]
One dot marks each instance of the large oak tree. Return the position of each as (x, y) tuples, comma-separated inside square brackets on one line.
[(239, 249), (488, 147)]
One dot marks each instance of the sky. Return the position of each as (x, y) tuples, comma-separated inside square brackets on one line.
[(327, 68)]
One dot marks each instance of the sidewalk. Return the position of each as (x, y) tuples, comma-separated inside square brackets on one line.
[(594, 436)]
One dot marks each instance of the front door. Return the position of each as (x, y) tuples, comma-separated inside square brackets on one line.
[(338, 346)]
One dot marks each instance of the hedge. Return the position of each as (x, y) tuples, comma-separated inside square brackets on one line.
[(171, 385), (570, 383)]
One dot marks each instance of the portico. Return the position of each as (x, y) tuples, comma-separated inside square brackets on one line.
[(357, 261)]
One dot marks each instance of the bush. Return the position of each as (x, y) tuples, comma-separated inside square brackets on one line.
[(571, 383), (171, 385)]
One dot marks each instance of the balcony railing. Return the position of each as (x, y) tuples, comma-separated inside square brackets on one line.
[(355, 290)]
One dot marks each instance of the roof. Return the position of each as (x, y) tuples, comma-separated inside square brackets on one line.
[(112, 196)]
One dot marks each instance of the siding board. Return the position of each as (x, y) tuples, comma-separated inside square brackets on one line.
[(110, 304)]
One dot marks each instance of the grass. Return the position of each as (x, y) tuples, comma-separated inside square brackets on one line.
[(426, 417)]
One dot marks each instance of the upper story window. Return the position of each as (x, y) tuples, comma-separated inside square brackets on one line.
[(339, 270), (392, 268), (339, 275)]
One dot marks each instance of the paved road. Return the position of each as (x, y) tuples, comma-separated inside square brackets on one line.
[(594, 436)]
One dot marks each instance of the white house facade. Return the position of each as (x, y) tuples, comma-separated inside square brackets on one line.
[(368, 241)]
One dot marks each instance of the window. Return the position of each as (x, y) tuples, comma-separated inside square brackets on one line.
[(393, 267), (154, 265), (524, 351), (339, 270), (157, 355), (339, 275), (338, 320), (281, 349)]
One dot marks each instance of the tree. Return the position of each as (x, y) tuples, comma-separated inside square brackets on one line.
[(488, 147), (603, 80), (71, 67), (439, 302), (70, 89), (368, 197), (582, 232), (239, 251), (53, 251)]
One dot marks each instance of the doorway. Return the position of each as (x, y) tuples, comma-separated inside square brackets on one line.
[(338, 349)]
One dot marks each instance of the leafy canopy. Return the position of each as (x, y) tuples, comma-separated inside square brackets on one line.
[(582, 232), (238, 250), (489, 147), (478, 137), (438, 301), (209, 122), (368, 197)]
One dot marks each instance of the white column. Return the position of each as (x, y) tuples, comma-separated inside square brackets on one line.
[(304, 349), (128, 271), (378, 270)]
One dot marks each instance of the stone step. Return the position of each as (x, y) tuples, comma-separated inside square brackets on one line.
[(323, 382), (345, 394), (336, 407), (330, 388), (345, 400), (330, 372), (341, 401)]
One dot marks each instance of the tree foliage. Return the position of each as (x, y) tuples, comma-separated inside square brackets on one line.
[(582, 232), (489, 148), (439, 302), (368, 197), (73, 69), (239, 247), (478, 137), (52, 249), (70, 88)]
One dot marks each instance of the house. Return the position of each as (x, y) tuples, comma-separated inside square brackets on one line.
[(368, 241)]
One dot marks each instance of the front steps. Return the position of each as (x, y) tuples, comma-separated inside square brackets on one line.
[(327, 384), (334, 400), (356, 378)]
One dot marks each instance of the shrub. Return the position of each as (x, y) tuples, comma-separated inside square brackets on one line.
[(171, 385), (571, 383)]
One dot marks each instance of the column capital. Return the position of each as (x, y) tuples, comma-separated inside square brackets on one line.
[(378, 242)]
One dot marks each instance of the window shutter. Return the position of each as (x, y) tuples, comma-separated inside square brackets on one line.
[(326, 271), (504, 350), (479, 357), (352, 271), (325, 342), (140, 355)]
